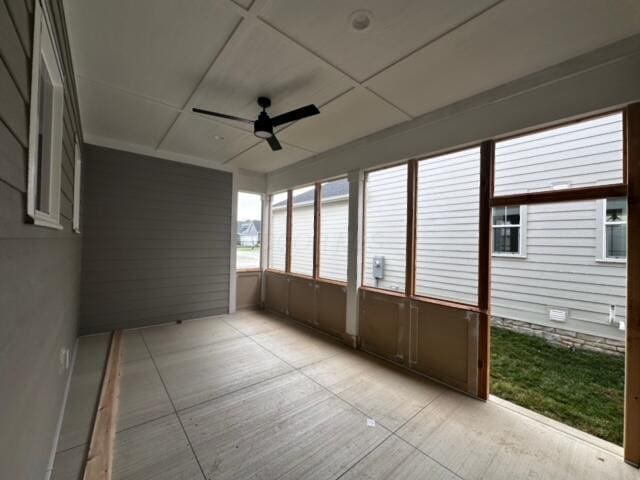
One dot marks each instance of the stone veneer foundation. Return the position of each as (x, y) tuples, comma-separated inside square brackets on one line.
[(562, 337)]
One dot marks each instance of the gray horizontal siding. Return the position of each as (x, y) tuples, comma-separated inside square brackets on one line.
[(334, 225), (156, 241), (302, 239), (278, 239), (39, 267)]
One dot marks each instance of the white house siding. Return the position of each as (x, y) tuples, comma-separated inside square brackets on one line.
[(447, 227), (578, 155), (302, 239), (386, 226), (561, 270), (334, 224), (278, 238)]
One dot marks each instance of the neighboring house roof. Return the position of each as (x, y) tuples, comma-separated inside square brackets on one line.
[(249, 227), (339, 188)]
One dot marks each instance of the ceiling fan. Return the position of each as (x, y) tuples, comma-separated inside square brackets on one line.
[(263, 126)]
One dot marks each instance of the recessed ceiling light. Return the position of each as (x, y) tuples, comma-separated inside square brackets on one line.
[(360, 20), (218, 137)]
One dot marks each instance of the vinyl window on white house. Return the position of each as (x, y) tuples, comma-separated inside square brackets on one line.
[(508, 230), (278, 231), (46, 128), (615, 229)]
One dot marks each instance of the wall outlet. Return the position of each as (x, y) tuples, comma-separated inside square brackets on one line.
[(64, 359)]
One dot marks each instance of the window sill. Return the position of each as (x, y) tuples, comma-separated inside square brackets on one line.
[(43, 220), (509, 255), (611, 260)]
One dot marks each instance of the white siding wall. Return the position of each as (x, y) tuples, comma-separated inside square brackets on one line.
[(561, 270), (581, 154), (277, 242), (334, 224), (386, 225), (302, 239), (447, 227)]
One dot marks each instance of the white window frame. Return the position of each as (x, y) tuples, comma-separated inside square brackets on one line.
[(522, 236), (77, 178), (44, 51), (601, 235)]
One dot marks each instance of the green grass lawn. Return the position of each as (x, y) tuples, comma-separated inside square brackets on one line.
[(582, 389)]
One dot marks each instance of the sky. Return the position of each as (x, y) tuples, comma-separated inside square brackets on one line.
[(249, 206)]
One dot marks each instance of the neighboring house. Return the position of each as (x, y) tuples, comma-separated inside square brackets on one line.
[(249, 233), (559, 266)]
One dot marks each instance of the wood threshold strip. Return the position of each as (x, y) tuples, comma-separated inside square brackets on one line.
[(100, 457)]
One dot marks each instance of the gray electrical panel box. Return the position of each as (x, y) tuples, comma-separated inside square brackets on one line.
[(378, 268)]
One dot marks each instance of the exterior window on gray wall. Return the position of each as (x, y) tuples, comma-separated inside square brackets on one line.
[(249, 231), (302, 230), (334, 226), (506, 230), (278, 231), (385, 230), (582, 154), (615, 224), (447, 227)]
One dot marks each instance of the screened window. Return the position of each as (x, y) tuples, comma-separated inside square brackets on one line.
[(278, 231), (302, 230), (334, 225), (615, 227), (583, 154), (507, 223), (385, 230), (248, 231), (447, 226)]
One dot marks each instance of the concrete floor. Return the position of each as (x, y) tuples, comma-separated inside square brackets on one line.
[(252, 395)]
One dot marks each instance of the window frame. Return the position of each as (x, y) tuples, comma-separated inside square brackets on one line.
[(45, 53), (601, 211), (77, 179), (522, 234), (287, 232), (318, 230), (260, 235)]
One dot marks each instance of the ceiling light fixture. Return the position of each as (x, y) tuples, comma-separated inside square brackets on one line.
[(360, 20), (218, 137)]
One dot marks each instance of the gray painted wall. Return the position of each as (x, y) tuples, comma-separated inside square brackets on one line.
[(39, 267), (156, 240)]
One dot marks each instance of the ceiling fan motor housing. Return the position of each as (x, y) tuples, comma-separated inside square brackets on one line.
[(262, 127)]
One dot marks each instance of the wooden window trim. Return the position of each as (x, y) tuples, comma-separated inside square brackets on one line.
[(412, 206), (316, 229), (287, 261)]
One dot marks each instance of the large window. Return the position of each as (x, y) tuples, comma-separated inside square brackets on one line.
[(334, 227), (582, 154), (248, 231), (385, 229), (278, 232), (508, 230), (447, 227), (302, 230), (615, 229), (45, 130)]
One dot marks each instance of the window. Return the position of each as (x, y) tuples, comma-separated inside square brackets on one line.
[(77, 178), (302, 230), (508, 232), (615, 228), (248, 231), (447, 227), (45, 129), (278, 232), (582, 154), (334, 227), (385, 228)]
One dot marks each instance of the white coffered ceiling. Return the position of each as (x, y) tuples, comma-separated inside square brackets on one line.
[(142, 65)]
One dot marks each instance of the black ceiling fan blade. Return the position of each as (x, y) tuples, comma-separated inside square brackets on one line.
[(293, 115), (222, 115), (274, 143)]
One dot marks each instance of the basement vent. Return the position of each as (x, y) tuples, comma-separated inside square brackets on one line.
[(558, 314)]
